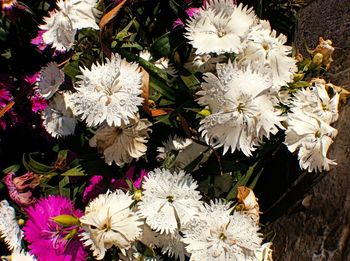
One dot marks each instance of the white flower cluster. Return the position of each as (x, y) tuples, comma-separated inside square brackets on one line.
[(170, 216), (241, 95), (71, 15), (244, 95), (58, 119), (312, 111), (107, 96)]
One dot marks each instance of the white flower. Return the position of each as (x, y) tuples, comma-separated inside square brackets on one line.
[(108, 92), (61, 25), (184, 150), (80, 12), (316, 100), (162, 63), (243, 110), (265, 252), (124, 143), (265, 49), (108, 221), (59, 31), (9, 229), (203, 63), (312, 137), (58, 118), (219, 28), (172, 245), (51, 77), (218, 235), (169, 200), (22, 256)]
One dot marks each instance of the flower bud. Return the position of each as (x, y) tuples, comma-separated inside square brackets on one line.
[(66, 220), (138, 195)]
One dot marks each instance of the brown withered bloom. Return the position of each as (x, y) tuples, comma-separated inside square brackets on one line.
[(20, 188), (323, 52), (248, 203)]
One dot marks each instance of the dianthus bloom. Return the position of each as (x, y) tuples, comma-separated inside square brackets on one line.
[(109, 221), (243, 110), (9, 229), (122, 144), (58, 118), (312, 137), (222, 24), (47, 239), (61, 25), (169, 200), (265, 49), (108, 93), (218, 235)]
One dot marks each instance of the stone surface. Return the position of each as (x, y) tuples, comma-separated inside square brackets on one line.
[(317, 227)]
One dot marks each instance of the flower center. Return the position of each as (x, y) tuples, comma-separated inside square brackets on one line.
[(222, 237), (266, 46), (241, 107), (108, 225), (170, 199), (221, 32), (318, 134)]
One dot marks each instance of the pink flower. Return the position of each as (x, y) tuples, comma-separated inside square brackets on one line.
[(47, 240), (38, 41), (31, 78), (38, 102), (96, 186), (20, 188), (129, 175), (190, 12)]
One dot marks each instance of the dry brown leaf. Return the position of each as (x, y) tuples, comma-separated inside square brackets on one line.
[(110, 15)]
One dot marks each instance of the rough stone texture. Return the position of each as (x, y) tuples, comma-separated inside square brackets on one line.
[(321, 230)]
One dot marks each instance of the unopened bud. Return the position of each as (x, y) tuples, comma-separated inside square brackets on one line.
[(138, 195), (204, 113), (318, 58), (66, 220), (20, 222)]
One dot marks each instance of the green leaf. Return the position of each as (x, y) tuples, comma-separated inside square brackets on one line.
[(74, 172), (255, 180), (12, 168), (191, 81), (162, 88), (125, 31), (72, 69), (166, 44), (62, 187), (132, 45), (241, 182), (32, 165)]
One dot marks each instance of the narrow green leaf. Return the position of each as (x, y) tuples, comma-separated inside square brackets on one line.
[(12, 168), (74, 172), (241, 182)]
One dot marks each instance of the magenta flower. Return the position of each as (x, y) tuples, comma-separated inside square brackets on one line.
[(38, 102), (129, 175), (7, 115), (96, 186), (31, 78), (38, 41), (47, 240), (190, 12)]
